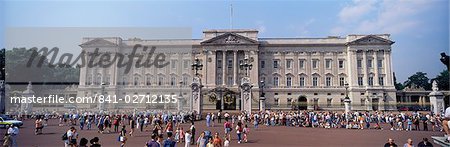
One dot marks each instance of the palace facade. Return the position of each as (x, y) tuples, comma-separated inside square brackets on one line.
[(299, 73)]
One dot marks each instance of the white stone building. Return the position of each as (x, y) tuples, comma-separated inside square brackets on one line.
[(305, 73)]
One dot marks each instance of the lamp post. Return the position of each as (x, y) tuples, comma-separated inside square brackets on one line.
[(262, 99), (246, 86), (196, 66), (196, 88), (101, 106), (246, 65), (347, 99)]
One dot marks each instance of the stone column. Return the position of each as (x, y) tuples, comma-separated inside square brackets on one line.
[(224, 58), (365, 68), (347, 105), (235, 67), (27, 108), (375, 68), (437, 102), (196, 96)]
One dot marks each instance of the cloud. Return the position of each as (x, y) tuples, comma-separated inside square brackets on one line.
[(380, 16), (355, 11), (302, 29)]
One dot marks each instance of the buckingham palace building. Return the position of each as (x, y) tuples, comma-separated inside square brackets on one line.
[(293, 73)]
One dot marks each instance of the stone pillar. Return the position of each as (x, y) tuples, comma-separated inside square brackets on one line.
[(436, 100), (375, 68), (224, 58), (262, 104), (197, 98), (235, 67), (246, 94), (347, 105)]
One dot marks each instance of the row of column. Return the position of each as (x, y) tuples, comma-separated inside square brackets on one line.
[(224, 67)]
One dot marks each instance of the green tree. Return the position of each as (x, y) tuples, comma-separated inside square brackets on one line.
[(398, 86), (419, 79), (443, 80)]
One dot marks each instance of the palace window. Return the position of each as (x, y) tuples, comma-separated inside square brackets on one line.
[(148, 80), (315, 63), (370, 82), (341, 64), (275, 81), (124, 81), (136, 81), (359, 63), (301, 64), (341, 81), (314, 81), (369, 63), (288, 81), (276, 101), (288, 63), (263, 64), (219, 63), (381, 81), (360, 81), (185, 80), (380, 63), (328, 64), (160, 80), (328, 81), (173, 81), (174, 64), (230, 81), (275, 63), (289, 101), (302, 81), (363, 102), (186, 64), (219, 80), (329, 102), (89, 80), (98, 79), (230, 63)]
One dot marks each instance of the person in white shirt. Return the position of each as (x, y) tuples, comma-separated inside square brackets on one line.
[(446, 122), (187, 137), (69, 134), (13, 131)]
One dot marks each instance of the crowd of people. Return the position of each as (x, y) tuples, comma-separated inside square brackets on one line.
[(167, 128)]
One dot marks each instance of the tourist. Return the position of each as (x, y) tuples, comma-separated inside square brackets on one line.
[(82, 121), (169, 141), (83, 142), (217, 141), (38, 126), (409, 143), (67, 137), (445, 123), (208, 120), (246, 131), (177, 135), (192, 129), (95, 142), (239, 130), (210, 143), (132, 125), (152, 142), (226, 143), (123, 136), (188, 137), (390, 143), (182, 135), (73, 138), (100, 124), (202, 140), (13, 132), (424, 143), (227, 127), (219, 117)]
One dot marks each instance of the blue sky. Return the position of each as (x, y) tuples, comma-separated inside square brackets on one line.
[(420, 28)]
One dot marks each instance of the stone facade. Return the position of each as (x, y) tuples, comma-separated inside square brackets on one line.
[(310, 72)]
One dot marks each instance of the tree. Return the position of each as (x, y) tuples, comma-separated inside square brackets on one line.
[(398, 86), (443, 80), (419, 79)]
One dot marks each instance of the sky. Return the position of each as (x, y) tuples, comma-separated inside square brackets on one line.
[(420, 28)]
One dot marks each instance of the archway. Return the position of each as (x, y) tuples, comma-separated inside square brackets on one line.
[(302, 103)]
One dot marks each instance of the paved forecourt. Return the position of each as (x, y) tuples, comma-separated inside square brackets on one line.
[(261, 137)]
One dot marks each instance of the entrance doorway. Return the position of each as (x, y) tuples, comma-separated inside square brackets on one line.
[(302, 103), (375, 104)]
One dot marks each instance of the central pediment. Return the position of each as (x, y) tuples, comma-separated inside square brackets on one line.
[(371, 40), (229, 38)]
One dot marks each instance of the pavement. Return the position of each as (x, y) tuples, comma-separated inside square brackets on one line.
[(261, 137)]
